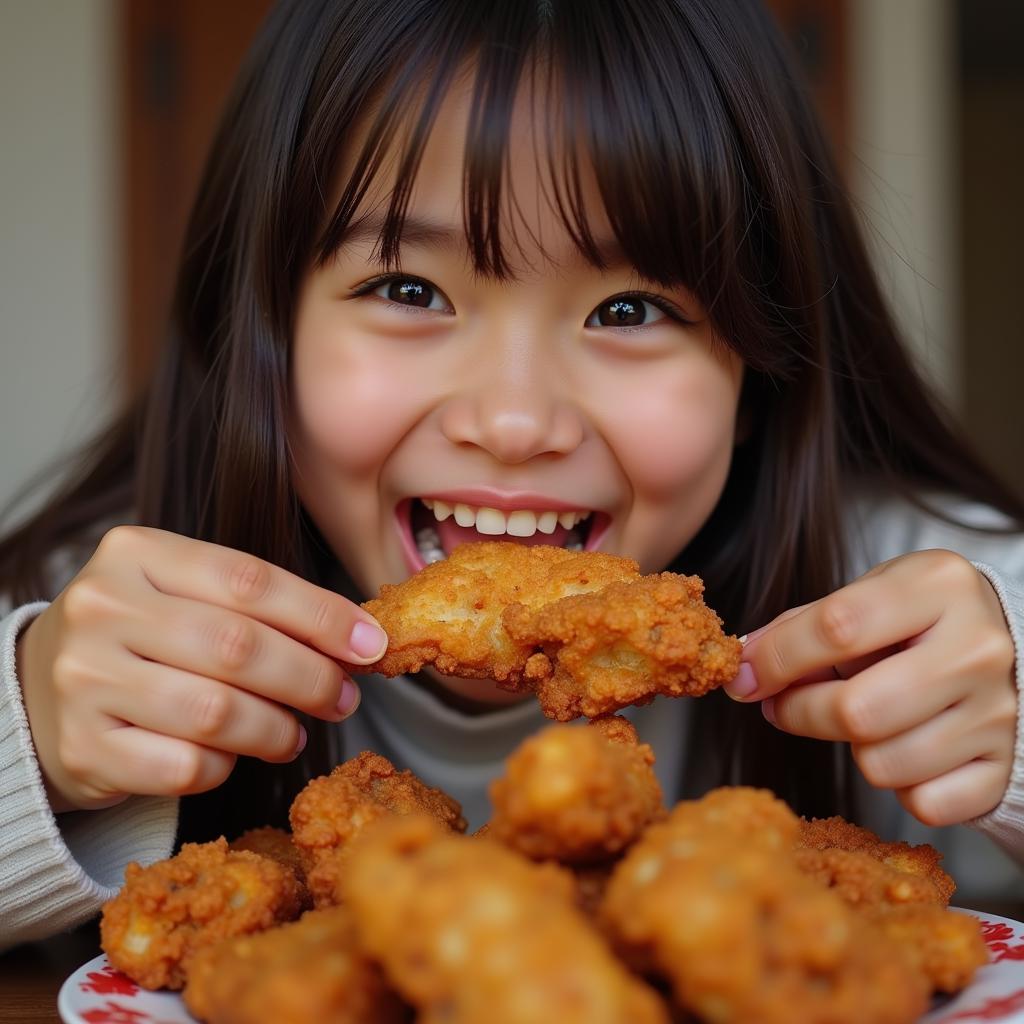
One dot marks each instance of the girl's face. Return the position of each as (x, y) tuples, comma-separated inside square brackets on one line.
[(433, 406)]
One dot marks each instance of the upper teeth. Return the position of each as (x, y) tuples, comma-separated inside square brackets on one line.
[(494, 522)]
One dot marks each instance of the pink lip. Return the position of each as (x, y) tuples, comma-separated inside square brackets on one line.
[(506, 501), (413, 558)]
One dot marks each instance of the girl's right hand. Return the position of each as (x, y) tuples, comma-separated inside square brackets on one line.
[(166, 657)]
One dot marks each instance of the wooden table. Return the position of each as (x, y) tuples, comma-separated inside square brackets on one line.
[(31, 975)]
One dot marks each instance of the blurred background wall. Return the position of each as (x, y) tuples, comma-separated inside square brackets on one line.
[(60, 323), (106, 107)]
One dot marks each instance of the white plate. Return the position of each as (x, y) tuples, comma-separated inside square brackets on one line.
[(97, 994)]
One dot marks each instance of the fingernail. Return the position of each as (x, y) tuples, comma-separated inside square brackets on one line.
[(301, 745), (368, 641), (350, 697), (768, 710), (743, 639), (745, 683)]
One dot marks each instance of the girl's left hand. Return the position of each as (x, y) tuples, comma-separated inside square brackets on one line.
[(913, 665)]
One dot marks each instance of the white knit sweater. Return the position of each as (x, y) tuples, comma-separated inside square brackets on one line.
[(56, 872)]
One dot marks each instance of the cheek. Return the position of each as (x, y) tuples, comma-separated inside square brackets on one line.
[(351, 404), (681, 434)]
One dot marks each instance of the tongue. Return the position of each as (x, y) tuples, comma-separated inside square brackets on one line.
[(451, 535)]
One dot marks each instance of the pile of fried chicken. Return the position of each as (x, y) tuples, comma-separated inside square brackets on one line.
[(584, 900)]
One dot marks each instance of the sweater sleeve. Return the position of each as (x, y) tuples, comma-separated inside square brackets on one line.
[(1005, 823), (56, 872)]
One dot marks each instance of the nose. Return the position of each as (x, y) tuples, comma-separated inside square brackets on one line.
[(513, 404)]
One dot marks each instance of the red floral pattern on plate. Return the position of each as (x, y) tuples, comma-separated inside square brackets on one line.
[(109, 981), (996, 994), (98, 994), (115, 1013), (996, 1008)]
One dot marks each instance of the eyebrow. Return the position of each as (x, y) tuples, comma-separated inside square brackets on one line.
[(423, 233)]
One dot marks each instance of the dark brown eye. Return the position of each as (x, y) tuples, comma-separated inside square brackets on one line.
[(621, 313), (625, 311), (411, 293)]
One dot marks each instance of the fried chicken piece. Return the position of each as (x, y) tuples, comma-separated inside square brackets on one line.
[(836, 833), (332, 809), (166, 912), (310, 970), (584, 630), (576, 795), (469, 931), (946, 946), (717, 907)]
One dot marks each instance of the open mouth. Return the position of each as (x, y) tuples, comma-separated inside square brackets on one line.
[(431, 528)]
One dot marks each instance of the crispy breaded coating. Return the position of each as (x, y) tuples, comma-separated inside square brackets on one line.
[(449, 614), (908, 907), (468, 931), (308, 971), (839, 834), (946, 946), (399, 791), (624, 645), (576, 795), (333, 808), (166, 912), (583, 629), (717, 908), (862, 881), (745, 814)]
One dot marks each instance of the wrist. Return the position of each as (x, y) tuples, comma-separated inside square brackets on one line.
[(23, 658)]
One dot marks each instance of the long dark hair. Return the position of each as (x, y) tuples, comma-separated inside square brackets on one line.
[(714, 174)]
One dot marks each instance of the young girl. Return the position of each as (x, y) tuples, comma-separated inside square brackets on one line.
[(550, 265)]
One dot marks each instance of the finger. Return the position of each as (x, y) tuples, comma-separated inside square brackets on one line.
[(936, 748), (790, 612), (867, 615), (787, 614), (204, 711), (885, 700), (151, 764), (243, 583), (965, 793), (745, 682), (853, 667), (233, 648)]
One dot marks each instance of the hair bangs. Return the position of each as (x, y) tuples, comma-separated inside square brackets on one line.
[(445, 43), (658, 162), (650, 106)]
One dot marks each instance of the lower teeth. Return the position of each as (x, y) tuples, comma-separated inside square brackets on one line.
[(429, 545)]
